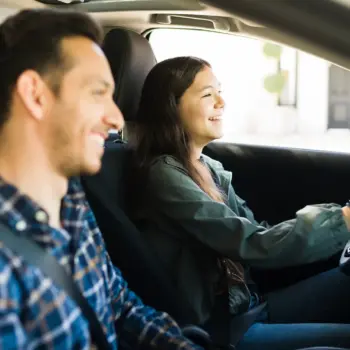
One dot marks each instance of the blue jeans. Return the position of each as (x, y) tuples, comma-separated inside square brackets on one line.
[(267, 336), (313, 312)]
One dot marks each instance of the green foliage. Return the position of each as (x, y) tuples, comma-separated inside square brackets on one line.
[(272, 50), (274, 83)]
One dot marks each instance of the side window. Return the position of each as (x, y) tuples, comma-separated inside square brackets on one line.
[(275, 95)]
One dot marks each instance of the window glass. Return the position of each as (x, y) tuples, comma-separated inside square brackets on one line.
[(275, 95)]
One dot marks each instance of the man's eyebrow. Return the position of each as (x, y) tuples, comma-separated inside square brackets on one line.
[(98, 80)]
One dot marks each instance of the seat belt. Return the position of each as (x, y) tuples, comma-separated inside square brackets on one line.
[(39, 257)]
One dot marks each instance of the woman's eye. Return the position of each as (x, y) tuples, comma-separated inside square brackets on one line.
[(207, 95)]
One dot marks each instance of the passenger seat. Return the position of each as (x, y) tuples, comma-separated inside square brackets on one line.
[(131, 58)]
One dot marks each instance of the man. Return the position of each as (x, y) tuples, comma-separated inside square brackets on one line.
[(56, 108)]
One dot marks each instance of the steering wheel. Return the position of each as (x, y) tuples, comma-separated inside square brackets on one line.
[(344, 262)]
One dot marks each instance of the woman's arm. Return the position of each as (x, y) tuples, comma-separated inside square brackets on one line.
[(317, 232)]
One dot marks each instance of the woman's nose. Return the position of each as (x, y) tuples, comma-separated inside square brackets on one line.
[(220, 102)]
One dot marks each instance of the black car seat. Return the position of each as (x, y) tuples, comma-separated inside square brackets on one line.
[(131, 58)]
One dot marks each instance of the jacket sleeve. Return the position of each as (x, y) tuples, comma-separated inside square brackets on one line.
[(244, 210), (317, 232)]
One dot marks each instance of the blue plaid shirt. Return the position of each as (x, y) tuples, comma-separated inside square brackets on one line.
[(35, 314)]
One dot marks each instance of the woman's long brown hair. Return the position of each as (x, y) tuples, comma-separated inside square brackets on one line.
[(158, 129)]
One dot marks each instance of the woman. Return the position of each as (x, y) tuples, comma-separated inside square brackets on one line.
[(207, 237)]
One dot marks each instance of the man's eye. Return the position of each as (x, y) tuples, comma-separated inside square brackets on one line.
[(98, 92), (207, 95)]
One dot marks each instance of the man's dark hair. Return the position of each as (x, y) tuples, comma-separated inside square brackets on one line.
[(32, 39)]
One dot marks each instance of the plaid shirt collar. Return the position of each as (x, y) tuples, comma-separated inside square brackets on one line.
[(25, 216)]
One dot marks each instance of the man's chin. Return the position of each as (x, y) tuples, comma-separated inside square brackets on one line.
[(91, 169), (72, 169)]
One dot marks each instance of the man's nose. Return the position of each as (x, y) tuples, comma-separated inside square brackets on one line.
[(114, 118)]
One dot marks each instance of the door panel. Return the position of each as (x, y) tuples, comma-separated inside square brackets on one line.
[(277, 182)]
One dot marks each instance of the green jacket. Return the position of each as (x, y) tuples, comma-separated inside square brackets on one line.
[(189, 230)]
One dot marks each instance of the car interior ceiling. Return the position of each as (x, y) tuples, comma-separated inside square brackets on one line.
[(275, 182)]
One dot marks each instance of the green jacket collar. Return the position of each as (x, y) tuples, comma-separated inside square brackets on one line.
[(225, 177)]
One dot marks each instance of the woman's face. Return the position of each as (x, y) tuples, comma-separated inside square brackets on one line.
[(201, 108)]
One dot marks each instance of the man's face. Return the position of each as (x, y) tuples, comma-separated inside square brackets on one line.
[(79, 118)]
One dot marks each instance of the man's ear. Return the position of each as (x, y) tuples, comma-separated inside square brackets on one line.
[(33, 93)]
